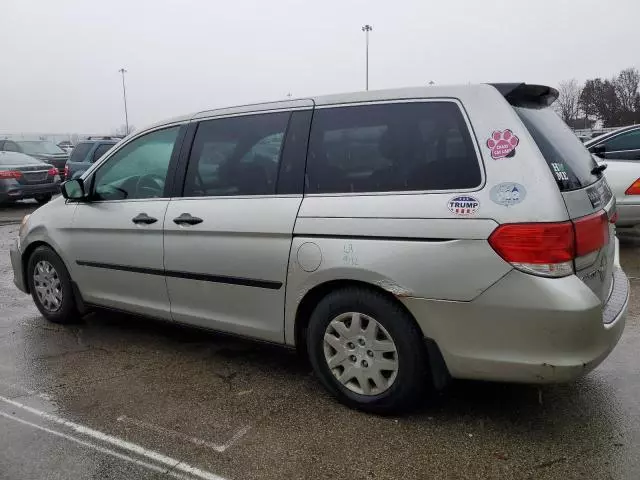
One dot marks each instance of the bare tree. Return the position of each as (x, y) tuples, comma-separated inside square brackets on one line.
[(568, 101), (626, 85)]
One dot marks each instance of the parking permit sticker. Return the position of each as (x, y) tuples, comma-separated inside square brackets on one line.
[(503, 144), (560, 171), (464, 205), (508, 194)]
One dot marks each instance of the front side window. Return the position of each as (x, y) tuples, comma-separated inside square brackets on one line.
[(137, 170), (391, 147), (624, 141), (236, 156)]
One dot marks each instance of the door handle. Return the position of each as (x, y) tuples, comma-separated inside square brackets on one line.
[(143, 218), (187, 219)]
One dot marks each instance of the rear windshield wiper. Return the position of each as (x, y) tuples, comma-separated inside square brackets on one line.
[(598, 169)]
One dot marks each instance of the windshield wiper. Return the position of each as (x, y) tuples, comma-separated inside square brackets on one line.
[(598, 169)]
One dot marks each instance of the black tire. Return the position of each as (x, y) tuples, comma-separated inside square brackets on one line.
[(67, 311), (413, 380), (42, 199)]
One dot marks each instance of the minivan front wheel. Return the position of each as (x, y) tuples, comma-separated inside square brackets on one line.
[(367, 351), (44, 198), (50, 286)]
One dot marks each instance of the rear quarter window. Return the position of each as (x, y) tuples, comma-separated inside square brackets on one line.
[(567, 158), (79, 153), (390, 148)]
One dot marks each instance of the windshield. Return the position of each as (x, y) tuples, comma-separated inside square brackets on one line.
[(569, 160), (39, 147)]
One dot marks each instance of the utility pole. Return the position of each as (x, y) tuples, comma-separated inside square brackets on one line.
[(366, 29), (124, 95)]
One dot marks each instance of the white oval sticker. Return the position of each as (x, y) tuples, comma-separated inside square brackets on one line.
[(508, 193)]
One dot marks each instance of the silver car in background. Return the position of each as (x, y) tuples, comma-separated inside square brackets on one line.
[(620, 151), (398, 238)]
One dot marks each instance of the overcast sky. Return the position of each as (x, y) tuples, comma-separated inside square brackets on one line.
[(60, 58)]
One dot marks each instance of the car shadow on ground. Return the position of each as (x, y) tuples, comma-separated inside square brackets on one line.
[(511, 402)]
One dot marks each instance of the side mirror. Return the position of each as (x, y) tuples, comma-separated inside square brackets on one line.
[(73, 189), (599, 150)]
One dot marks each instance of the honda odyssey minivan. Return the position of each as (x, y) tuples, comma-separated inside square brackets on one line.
[(398, 238)]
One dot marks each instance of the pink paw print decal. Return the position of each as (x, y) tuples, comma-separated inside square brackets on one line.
[(502, 144)]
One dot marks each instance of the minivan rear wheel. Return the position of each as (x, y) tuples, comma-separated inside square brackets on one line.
[(50, 286), (368, 352)]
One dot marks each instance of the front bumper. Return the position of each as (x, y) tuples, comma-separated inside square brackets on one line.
[(19, 192), (526, 329), (16, 264)]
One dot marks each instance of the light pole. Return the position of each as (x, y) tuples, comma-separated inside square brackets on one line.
[(366, 29), (124, 95)]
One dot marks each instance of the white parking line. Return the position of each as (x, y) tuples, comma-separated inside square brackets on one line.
[(195, 440), (172, 463), (93, 446)]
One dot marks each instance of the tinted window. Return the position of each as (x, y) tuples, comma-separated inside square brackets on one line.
[(35, 147), (393, 147), (79, 153), (101, 150), (139, 169), (569, 160), (625, 141), (236, 156)]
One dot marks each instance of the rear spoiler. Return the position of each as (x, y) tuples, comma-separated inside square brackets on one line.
[(524, 95)]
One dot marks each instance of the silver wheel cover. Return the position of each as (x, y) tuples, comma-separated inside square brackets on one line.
[(360, 353)]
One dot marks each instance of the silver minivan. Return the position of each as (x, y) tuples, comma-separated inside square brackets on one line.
[(398, 238)]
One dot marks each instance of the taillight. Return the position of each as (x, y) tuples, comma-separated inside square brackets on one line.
[(634, 188), (10, 174), (548, 249), (66, 171), (53, 171), (592, 233)]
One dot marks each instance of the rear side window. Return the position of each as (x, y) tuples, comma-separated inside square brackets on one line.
[(79, 153), (569, 160), (390, 148), (236, 156)]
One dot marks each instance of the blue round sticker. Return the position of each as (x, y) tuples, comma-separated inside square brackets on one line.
[(508, 194)]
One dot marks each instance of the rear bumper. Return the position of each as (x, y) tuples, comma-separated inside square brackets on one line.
[(526, 329), (628, 214), (16, 264), (18, 191)]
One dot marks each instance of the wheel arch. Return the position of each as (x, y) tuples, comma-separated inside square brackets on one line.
[(317, 293), (440, 375), (28, 251)]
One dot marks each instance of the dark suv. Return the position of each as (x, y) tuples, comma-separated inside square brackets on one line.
[(85, 153)]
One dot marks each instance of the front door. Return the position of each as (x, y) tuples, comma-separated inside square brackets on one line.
[(117, 235), (227, 240)]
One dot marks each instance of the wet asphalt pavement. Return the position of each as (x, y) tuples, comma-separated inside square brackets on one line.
[(119, 397)]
